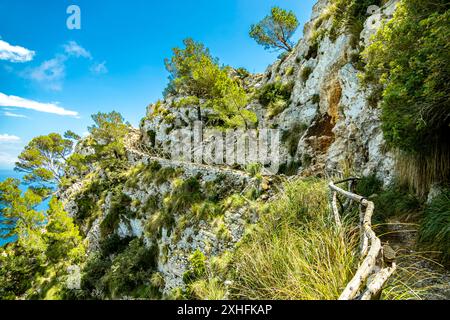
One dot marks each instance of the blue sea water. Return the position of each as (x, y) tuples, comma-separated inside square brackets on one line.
[(5, 174)]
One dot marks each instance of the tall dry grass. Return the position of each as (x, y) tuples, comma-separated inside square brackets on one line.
[(420, 171), (296, 252)]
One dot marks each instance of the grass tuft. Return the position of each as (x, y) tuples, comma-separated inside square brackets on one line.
[(296, 251)]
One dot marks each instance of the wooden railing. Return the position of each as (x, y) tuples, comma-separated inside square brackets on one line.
[(374, 269)]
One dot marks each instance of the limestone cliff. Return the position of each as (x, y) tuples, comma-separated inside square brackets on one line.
[(328, 125)]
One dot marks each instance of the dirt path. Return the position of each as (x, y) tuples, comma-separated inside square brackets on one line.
[(425, 278)]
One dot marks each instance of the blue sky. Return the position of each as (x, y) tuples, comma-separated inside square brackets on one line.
[(56, 77)]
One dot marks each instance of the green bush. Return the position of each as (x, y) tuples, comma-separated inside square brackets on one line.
[(349, 16), (290, 168), (197, 267), (254, 169), (275, 96), (392, 201), (113, 244), (409, 61), (369, 186), (120, 206), (306, 72), (130, 271), (91, 280), (274, 91), (289, 71), (122, 267), (185, 193), (434, 233)]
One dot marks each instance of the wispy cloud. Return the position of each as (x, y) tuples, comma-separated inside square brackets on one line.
[(50, 73), (18, 102), (13, 115), (8, 138), (99, 68), (74, 49), (15, 54)]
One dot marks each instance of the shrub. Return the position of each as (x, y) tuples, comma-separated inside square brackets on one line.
[(369, 186), (254, 169), (290, 168), (409, 60), (434, 233), (120, 206), (93, 271), (289, 71), (200, 282), (275, 108), (197, 267), (395, 200), (274, 91), (113, 245), (349, 15), (185, 193), (275, 97), (207, 209), (306, 72), (130, 271)]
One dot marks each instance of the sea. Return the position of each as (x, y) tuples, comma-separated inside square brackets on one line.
[(9, 173)]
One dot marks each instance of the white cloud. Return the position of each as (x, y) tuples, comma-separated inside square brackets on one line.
[(99, 68), (74, 49), (18, 102), (15, 53), (13, 115), (8, 138), (50, 73)]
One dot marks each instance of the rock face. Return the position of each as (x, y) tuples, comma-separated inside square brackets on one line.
[(339, 131), (147, 195), (343, 129)]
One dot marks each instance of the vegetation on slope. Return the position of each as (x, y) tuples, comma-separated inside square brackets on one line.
[(195, 74), (35, 266), (295, 252), (409, 63)]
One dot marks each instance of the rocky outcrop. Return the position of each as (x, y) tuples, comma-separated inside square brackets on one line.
[(343, 129), (337, 130)]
